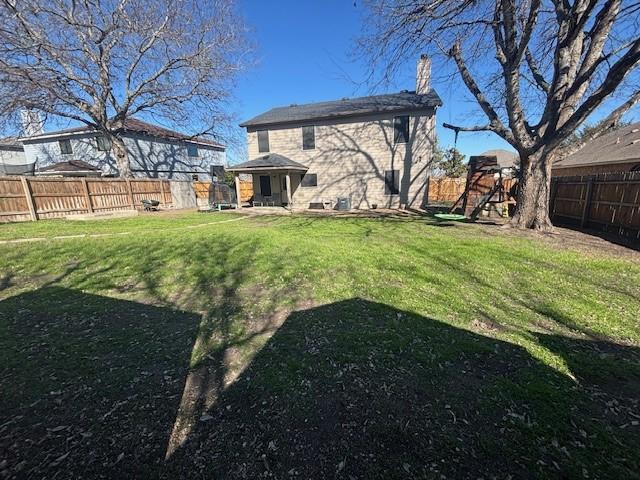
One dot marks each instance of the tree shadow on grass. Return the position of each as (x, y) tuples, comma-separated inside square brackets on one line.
[(95, 387), (358, 389), (90, 384)]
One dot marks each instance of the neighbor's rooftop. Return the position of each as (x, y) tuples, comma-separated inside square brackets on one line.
[(404, 101), (69, 166), (618, 146), (505, 158), (131, 125)]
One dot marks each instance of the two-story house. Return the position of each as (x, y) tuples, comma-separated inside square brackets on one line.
[(154, 152), (374, 151)]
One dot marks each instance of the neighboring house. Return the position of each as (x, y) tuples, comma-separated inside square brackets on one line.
[(616, 151), (12, 158), (505, 158), (154, 151), (71, 168), (374, 150)]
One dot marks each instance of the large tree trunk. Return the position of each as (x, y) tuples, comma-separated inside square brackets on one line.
[(122, 156), (532, 209)]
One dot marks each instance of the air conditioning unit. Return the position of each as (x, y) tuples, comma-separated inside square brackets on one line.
[(344, 204)]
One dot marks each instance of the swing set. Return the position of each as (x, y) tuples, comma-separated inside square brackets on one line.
[(485, 186)]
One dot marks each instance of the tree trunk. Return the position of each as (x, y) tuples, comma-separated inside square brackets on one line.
[(122, 156), (532, 209)]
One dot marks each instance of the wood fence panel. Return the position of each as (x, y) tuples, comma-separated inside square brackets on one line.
[(13, 201), (146, 189), (202, 191), (609, 202), (445, 189), (59, 197), (246, 190), (108, 195)]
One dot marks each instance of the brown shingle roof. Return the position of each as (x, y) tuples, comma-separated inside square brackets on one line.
[(269, 161), (619, 146), (135, 125), (505, 158), (70, 166)]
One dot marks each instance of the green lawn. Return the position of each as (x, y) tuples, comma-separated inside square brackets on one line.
[(314, 347)]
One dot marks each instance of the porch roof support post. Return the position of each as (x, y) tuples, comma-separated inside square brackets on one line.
[(288, 185), (237, 181)]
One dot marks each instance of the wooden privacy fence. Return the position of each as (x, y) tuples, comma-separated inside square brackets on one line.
[(32, 198), (445, 189), (202, 190), (609, 202)]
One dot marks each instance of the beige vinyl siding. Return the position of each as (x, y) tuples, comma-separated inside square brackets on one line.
[(351, 156)]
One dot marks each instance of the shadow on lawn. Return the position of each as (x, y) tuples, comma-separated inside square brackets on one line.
[(95, 387), (86, 379), (358, 389)]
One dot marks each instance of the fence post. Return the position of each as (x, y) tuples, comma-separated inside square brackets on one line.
[(554, 194), (587, 203), (27, 193), (130, 193), (162, 192), (87, 197)]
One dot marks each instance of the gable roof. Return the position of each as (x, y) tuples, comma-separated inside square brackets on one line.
[(505, 158), (619, 146), (70, 166), (132, 125), (272, 161), (395, 102)]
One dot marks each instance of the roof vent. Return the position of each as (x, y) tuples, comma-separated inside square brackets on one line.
[(617, 140), (637, 140)]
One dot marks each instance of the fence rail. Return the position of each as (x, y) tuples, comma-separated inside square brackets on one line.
[(609, 202), (29, 198)]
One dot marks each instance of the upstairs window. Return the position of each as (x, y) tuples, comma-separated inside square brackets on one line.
[(103, 143), (65, 147), (401, 129), (309, 180), (391, 182), (192, 150), (308, 137), (263, 140)]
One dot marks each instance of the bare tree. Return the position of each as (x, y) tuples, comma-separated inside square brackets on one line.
[(100, 62), (536, 68)]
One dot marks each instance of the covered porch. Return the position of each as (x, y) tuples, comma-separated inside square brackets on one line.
[(275, 179)]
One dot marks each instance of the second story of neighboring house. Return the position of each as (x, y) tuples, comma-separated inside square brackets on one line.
[(375, 150), (154, 151)]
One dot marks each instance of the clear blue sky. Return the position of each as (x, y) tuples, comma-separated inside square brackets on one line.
[(304, 54)]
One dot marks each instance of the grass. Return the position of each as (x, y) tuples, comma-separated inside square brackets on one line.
[(314, 347)]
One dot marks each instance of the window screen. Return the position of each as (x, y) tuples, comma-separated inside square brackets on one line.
[(308, 137), (192, 150), (263, 140), (103, 143), (401, 129), (65, 147), (391, 182), (309, 180)]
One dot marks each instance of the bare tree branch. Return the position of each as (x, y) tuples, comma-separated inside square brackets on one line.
[(100, 62)]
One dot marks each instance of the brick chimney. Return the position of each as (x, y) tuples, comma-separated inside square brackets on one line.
[(423, 77)]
